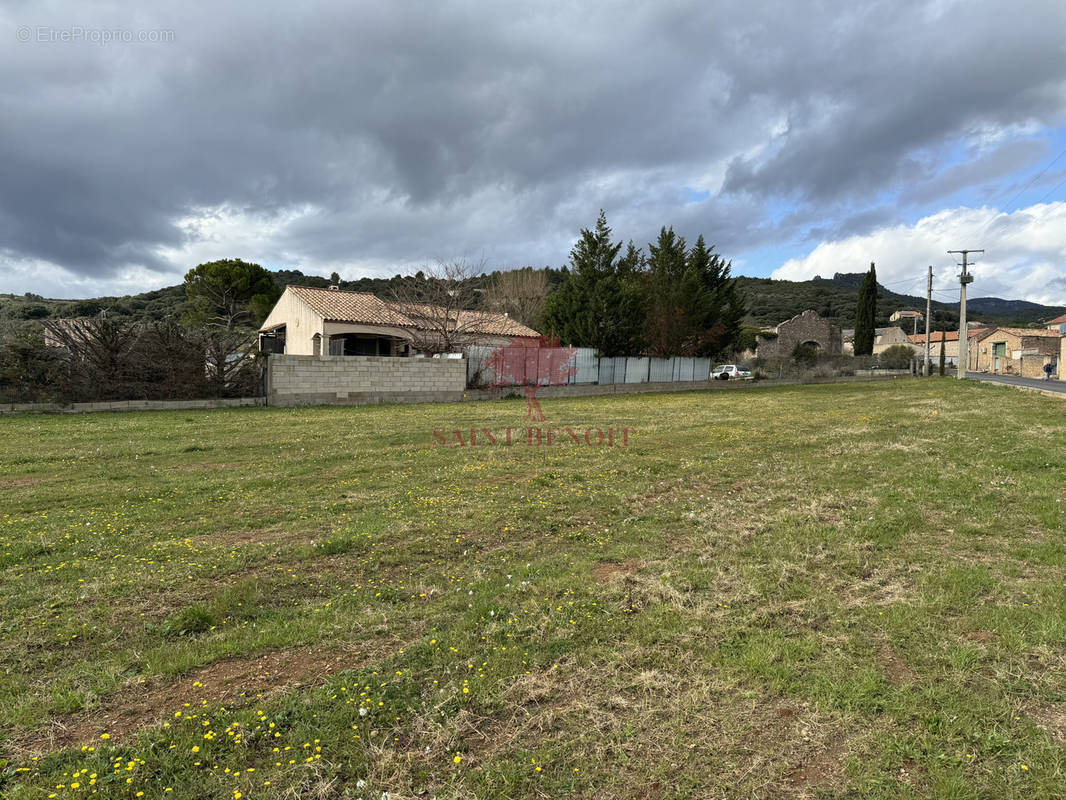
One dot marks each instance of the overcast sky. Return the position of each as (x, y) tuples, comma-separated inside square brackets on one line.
[(140, 139)]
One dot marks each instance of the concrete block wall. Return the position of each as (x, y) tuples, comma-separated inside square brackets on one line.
[(315, 380)]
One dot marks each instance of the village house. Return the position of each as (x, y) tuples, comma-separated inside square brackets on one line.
[(884, 338), (909, 318), (1014, 351), (951, 344), (308, 321), (1057, 324)]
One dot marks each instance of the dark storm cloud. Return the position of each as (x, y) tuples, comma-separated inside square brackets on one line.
[(412, 131)]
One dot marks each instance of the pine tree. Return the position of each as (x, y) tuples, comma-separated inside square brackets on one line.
[(598, 304), (694, 308), (866, 314), (674, 295), (942, 359)]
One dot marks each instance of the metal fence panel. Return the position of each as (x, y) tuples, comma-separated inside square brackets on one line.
[(588, 370), (605, 371), (537, 365), (636, 370), (661, 370)]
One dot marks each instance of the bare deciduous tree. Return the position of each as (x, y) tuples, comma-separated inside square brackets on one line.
[(116, 359), (519, 293), (233, 369), (443, 302)]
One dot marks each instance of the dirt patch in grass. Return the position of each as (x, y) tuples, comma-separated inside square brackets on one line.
[(824, 767), (18, 483), (603, 572), (981, 637), (230, 681), (894, 667), (1051, 719)]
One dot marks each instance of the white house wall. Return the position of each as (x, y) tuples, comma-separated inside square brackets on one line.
[(300, 321)]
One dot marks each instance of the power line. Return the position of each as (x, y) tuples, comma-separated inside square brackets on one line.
[(1038, 176), (1006, 208), (1046, 196)]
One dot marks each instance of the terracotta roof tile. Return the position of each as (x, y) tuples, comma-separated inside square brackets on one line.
[(947, 336), (368, 309), (361, 307), (1031, 332)]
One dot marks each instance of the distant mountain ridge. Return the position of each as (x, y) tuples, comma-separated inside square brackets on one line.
[(769, 301), (772, 301)]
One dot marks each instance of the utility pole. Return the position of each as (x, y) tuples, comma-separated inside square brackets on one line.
[(964, 278), (928, 313)]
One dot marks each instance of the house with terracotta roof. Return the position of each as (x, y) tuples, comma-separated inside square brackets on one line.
[(950, 340), (309, 321), (1057, 324), (907, 316), (1014, 351)]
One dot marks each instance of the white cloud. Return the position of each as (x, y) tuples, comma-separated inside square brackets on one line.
[(1024, 259)]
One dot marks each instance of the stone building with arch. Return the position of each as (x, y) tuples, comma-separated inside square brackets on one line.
[(805, 328)]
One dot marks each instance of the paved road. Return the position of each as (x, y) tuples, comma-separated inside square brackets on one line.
[(1051, 386)]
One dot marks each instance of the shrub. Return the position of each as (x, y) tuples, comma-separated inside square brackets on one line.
[(898, 356)]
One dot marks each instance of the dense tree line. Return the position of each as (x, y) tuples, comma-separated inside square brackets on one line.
[(675, 300)]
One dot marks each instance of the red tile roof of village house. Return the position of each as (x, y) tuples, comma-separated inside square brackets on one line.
[(1057, 320), (947, 336), (478, 321), (1031, 332), (334, 305)]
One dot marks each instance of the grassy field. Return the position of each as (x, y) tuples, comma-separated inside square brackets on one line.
[(820, 591)]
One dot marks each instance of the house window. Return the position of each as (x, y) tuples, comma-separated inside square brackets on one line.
[(999, 348)]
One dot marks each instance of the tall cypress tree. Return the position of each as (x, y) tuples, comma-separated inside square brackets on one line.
[(866, 314), (943, 360)]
